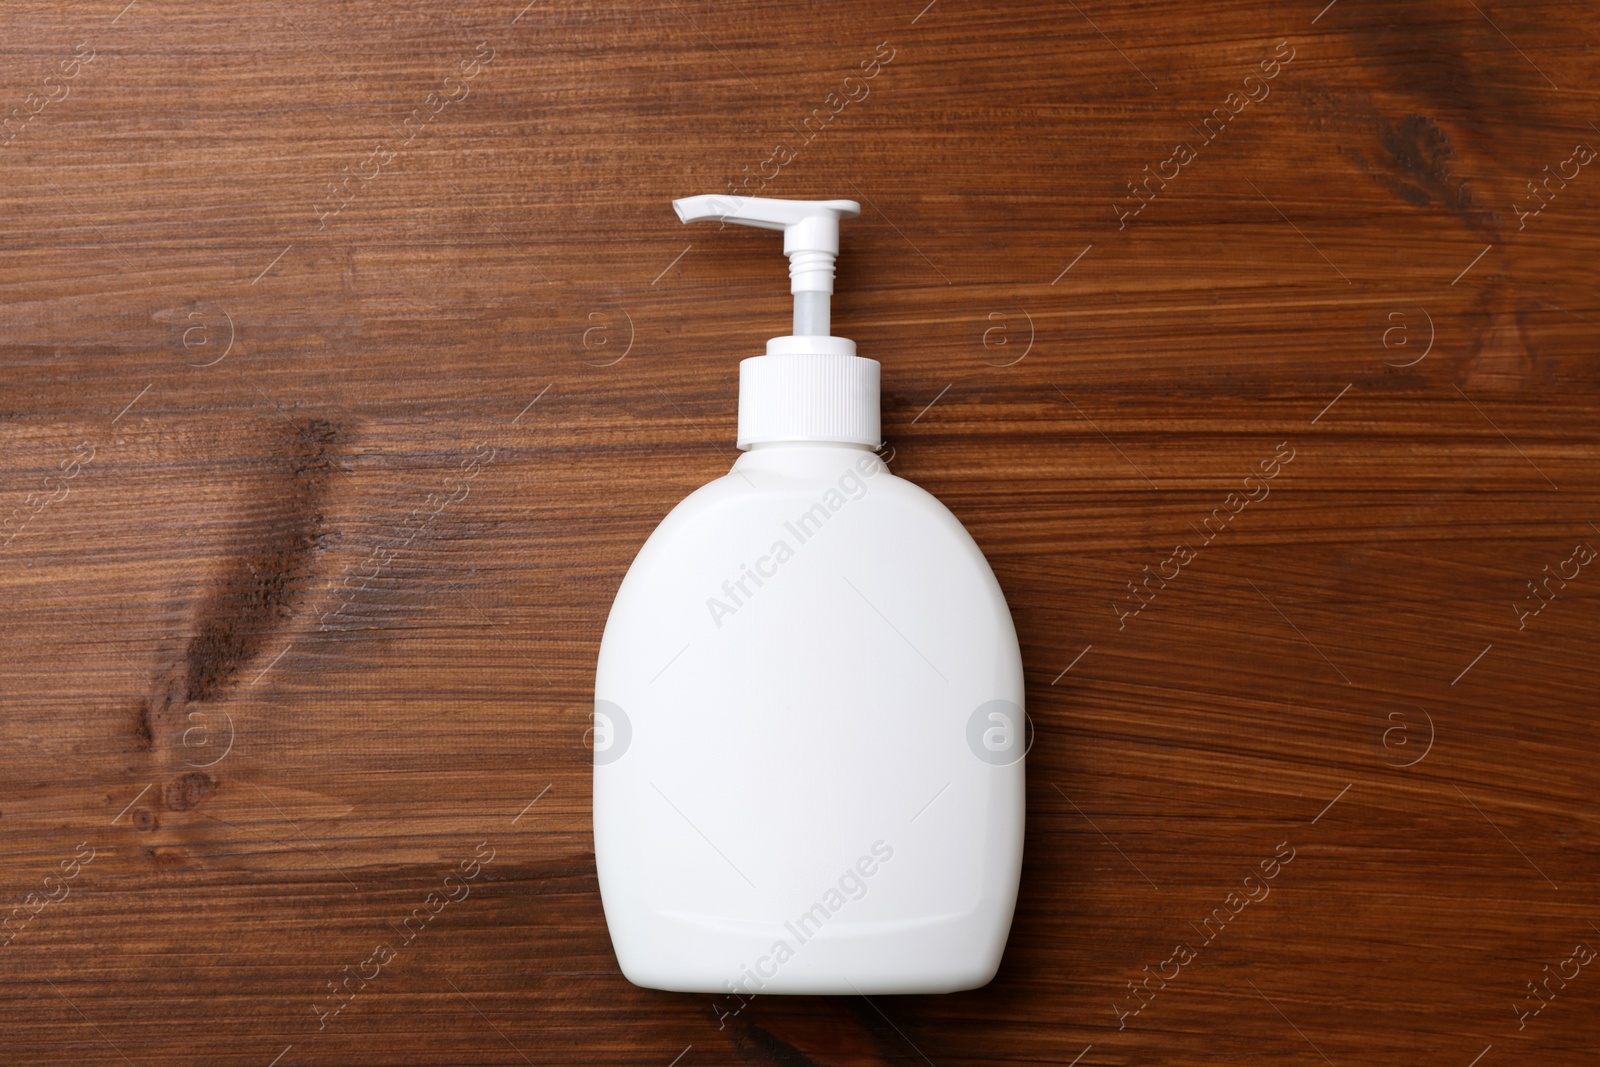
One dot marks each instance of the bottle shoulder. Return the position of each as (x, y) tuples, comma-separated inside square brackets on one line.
[(880, 529), (803, 539), (896, 506)]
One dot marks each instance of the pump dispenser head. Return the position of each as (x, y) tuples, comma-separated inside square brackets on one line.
[(810, 386)]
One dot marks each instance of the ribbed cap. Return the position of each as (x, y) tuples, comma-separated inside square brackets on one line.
[(809, 389)]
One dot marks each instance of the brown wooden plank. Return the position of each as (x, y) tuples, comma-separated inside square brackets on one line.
[(313, 517)]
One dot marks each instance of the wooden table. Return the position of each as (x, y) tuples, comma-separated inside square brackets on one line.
[(350, 352)]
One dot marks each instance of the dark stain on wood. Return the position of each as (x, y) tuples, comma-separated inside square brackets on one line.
[(189, 790), (1420, 149), (253, 598), (142, 735)]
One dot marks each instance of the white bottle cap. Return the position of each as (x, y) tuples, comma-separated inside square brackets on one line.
[(810, 386)]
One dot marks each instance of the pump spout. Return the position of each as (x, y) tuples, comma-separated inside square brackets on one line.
[(810, 240), (810, 385)]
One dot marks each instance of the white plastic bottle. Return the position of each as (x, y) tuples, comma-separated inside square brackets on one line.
[(809, 730)]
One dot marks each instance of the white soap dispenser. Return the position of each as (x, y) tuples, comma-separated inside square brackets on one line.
[(808, 727)]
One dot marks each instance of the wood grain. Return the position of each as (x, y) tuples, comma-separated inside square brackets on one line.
[(351, 350)]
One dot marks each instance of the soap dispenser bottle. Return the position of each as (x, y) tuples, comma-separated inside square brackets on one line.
[(808, 729)]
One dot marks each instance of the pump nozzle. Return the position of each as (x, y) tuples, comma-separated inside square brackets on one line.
[(810, 385), (810, 240)]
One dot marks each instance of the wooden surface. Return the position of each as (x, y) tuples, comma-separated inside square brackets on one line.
[(351, 350)]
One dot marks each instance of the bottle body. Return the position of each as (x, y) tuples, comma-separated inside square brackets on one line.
[(809, 739)]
